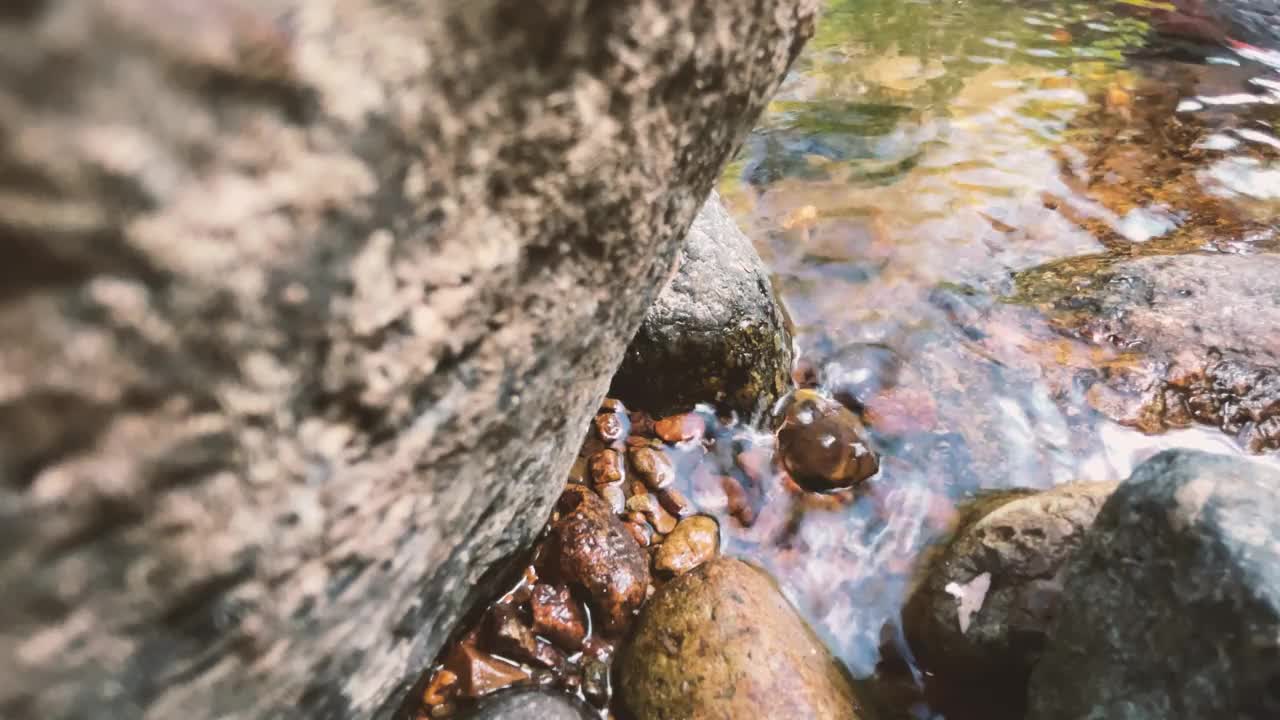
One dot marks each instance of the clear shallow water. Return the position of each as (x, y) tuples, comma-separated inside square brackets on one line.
[(919, 155)]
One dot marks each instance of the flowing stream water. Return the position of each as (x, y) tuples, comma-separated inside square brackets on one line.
[(921, 166)]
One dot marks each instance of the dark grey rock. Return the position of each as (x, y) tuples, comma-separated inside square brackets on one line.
[(716, 334), (531, 704), (304, 309), (980, 610), (1171, 608)]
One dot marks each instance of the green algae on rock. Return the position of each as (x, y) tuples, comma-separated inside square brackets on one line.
[(721, 641)]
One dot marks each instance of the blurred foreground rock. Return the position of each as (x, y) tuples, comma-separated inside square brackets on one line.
[(304, 307)]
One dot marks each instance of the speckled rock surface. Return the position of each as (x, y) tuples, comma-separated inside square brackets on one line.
[(304, 307), (979, 613), (721, 641), (1171, 608), (1193, 335), (716, 334)]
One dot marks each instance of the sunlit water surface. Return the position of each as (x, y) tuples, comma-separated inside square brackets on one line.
[(919, 154)]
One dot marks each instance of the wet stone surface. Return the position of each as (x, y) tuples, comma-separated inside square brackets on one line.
[(1171, 607), (979, 615), (1190, 339), (722, 641), (823, 444)]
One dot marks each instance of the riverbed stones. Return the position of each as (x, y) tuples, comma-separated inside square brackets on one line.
[(721, 641), (981, 607), (1171, 607), (599, 554), (716, 334), (823, 445)]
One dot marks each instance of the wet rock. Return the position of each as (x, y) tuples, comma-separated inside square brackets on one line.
[(822, 445), (480, 673), (607, 466), (653, 466), (611, 427), (716, 334), (1171, 608), (979, 613), (692, 542), (658, 517), (1192, 338), (674, 502), (721, 641), (681, 428), (597, 552), (614, 495), (556, 616), (510, 637), (530, 704)]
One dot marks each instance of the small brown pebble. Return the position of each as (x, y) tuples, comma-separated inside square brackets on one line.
[(611, 427), (614, 495), (681, 428), (557, 616), (637, 441), (480, 673), (675, 502), (441, 687), (509, 636), (636, 487), (653, 466), (641, 533), (694, 541), (444, 710), (607, 466), (653, 510), (641, 423), (821, 444), (596, 551)]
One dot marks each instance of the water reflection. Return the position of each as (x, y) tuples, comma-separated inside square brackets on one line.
[(929, 174)]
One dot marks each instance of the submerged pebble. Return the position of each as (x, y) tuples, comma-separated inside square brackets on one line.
[(823, 445)]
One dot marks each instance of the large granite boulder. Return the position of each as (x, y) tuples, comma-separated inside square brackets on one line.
[(304, 307), (716, 334), (1171, 607)]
